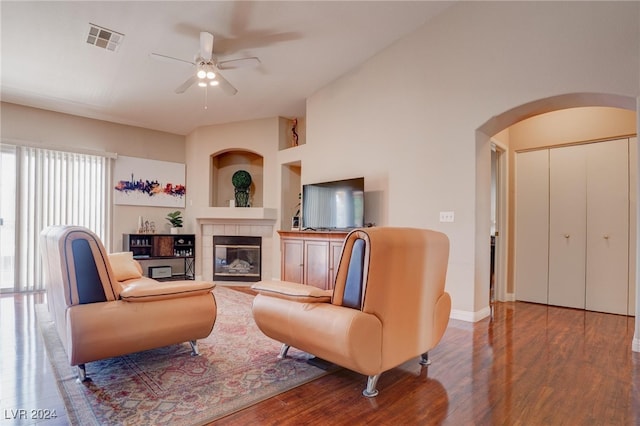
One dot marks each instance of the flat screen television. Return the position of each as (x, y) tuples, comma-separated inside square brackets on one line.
[(335, 205)]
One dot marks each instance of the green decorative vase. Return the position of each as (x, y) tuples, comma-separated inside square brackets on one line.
[(241, 181)]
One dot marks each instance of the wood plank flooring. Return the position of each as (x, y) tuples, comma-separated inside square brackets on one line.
[(530, 365), (28, 391)]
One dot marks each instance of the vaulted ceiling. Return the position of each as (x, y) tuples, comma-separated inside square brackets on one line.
[(302, 46)]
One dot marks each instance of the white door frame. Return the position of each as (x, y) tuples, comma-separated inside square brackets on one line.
[(502, 238)]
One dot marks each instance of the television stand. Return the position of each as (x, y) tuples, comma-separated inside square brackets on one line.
[(311, 257)]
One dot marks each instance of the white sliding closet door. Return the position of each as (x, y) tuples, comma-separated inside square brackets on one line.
[(607, 284), (567, 226), (532, 226)]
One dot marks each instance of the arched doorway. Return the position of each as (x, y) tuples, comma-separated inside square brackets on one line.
[(484, 136)]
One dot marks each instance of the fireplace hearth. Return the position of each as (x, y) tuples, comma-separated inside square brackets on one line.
[(237, 258)]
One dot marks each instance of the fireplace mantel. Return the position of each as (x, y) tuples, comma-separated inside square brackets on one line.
[(219, 214)]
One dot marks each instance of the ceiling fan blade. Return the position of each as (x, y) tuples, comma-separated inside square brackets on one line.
[(169, 58), (206, 46), (225, 85), (184, 86), (232, 64)]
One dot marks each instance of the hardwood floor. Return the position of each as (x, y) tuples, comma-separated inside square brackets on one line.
[(28, 391), (530, 365)]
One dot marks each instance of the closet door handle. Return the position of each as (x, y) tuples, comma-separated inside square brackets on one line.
[(605, 236), (567, 235)]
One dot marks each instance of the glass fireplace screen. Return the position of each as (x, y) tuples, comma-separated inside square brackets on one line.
[(237, 258)]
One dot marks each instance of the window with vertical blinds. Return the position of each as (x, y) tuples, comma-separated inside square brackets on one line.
[(56, 188)]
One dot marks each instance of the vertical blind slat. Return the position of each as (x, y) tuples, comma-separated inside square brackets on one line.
[(57, 188)]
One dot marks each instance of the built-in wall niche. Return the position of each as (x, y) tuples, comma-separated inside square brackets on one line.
[(290, 195), (293, 132), (224, 165)]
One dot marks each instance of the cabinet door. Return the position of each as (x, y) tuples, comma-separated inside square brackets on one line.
[(316, 263), (163, 246), (292, 260), (607, 283), (335, 250), (532, 226), (567, 226)]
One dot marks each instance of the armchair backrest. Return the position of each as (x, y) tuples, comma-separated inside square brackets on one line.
[(354, 281), (76, 270), (401, 282), (77, 264)]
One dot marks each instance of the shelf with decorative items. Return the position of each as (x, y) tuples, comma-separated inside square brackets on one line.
[(290, 195), (292, 132), (236, 179), (149, 249)]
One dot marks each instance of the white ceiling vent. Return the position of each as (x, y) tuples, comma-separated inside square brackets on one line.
[(104, 38)]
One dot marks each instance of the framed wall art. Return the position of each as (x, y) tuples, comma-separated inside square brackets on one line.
[(143, 182)]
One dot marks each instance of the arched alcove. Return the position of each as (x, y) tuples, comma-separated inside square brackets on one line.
[(484, 134), (222, 167)]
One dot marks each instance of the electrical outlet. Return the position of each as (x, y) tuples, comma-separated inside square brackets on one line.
[(446, 216)]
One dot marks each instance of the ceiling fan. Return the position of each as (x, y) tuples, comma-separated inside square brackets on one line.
[(208, 68)]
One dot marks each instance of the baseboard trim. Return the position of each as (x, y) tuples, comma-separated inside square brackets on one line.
[(470, 316), (510, 297)]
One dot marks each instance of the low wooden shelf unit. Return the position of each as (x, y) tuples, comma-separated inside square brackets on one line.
[(149, 248)]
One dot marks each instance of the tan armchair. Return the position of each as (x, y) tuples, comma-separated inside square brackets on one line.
[(103, 307), (388, 304)]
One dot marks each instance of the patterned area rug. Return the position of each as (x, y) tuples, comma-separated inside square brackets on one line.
[(237, 367)]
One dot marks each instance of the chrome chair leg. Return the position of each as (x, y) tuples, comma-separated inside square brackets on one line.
[(194, 347), (424, 359), (371, 390), (283, 351), (82, 373)]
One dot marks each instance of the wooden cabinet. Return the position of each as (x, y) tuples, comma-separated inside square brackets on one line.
[(311, 257), (148, 249)]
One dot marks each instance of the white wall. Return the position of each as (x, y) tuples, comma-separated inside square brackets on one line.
[(258, 136), (56, 130), (407, 119)]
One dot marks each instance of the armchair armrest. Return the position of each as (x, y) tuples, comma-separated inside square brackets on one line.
[(146, 290), (293, 291)]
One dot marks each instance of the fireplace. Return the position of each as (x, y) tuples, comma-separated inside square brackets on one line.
[(237, 258)]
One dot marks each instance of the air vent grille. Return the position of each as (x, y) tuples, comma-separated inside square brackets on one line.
[(104, 38)]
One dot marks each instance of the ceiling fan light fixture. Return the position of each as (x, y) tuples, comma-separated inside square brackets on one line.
[(202, 83), (214, 83), (211, 75), (201, 73)]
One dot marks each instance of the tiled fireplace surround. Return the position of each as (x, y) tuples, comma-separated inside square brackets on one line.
[(207, 227)]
